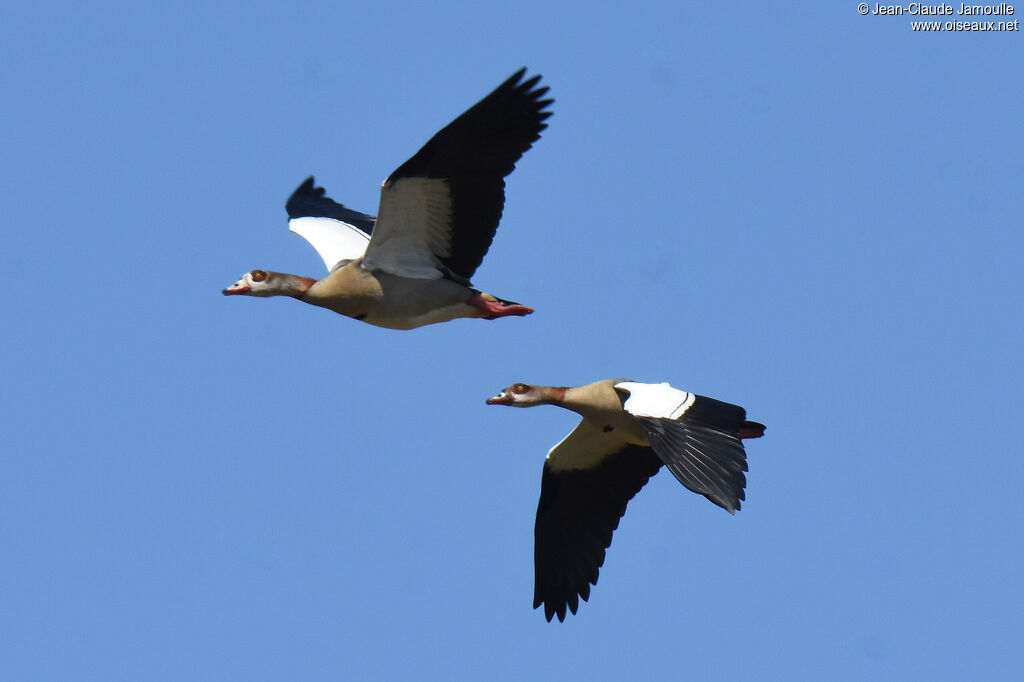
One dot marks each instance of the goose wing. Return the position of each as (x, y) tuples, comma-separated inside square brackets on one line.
[(440, 209), (696, 437), (338, 234), (587, 481)]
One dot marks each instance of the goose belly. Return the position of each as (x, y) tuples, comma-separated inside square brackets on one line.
[(407, 303)]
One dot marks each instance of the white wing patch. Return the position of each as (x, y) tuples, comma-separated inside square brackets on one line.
[(655, 400), (334, 240), (413, 230)]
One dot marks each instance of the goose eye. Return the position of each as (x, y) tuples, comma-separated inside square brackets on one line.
[(519, 388), (258, 275)]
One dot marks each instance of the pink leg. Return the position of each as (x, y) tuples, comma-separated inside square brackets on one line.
[(495, 307)]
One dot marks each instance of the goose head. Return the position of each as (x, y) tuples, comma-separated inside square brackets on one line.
[(527, 395), (268, 283)]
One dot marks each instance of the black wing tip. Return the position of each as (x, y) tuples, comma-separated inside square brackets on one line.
[(308, 186), (516, 79), (529, 88), (305, 192), (564, 600), (730, 505), (560, 607), (310, 201)]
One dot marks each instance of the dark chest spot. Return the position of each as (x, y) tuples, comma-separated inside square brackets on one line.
[(608, 428)]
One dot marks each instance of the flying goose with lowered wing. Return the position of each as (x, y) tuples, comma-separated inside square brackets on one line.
[(411, 265), (627, 432)]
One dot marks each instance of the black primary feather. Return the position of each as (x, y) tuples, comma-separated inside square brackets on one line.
[(577, 513), (703, 449), (309, 201), (473, 154)]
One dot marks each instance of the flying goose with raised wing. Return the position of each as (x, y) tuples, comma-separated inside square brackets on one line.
[(411, 265), (627, 432)]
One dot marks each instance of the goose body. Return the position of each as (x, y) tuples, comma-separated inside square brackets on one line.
[(627, 432), (411, 265), (386, 300)]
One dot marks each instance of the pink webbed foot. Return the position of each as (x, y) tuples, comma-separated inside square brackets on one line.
[(495, 307)]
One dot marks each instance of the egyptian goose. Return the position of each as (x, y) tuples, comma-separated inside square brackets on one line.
[(412, 264), (628, 431)]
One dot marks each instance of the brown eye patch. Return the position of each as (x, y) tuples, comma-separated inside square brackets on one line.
[(520, 388), (258, 275)]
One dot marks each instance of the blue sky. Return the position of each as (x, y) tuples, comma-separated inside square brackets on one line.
[(809, 212)]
